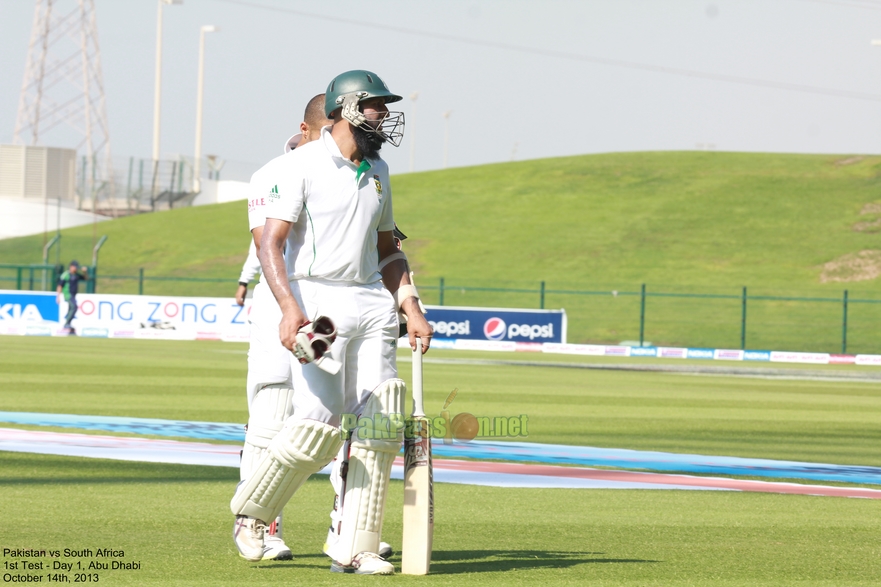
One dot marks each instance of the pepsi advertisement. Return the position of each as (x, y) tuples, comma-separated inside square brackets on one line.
[(497, 324)]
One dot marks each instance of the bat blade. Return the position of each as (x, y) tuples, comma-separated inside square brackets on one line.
[(418, 483), (418, 503)]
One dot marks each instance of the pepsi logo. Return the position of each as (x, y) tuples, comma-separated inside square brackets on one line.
[(495, 329)]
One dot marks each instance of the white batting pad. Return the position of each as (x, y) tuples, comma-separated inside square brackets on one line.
[(367, 477), (268, 411), (299, 450)]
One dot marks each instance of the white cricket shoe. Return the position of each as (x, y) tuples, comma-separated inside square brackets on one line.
[(248, 534), (385, 549), (274, 549), (365, 563)]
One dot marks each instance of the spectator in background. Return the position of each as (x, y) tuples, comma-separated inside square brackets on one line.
[(68, 285)]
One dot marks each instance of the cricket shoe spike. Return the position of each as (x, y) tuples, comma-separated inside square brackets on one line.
[(365, 563), (248, 535), (313, 343)]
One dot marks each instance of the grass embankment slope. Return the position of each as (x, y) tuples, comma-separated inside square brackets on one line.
[(688, 222)]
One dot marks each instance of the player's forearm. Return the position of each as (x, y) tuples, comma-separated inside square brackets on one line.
[(410, 307), (271, 255), (396, 279), (276, 276), (395, 274)]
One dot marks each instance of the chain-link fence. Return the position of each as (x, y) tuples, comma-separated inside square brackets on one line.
[(135, 186), (143, 185)]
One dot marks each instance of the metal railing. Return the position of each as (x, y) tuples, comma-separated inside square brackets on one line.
[(143, 186), (38, 277), (743, 301), (739, 318)]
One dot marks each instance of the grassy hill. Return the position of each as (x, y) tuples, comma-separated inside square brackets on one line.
[(684, 222)]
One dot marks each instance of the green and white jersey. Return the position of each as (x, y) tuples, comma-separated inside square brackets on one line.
[(70, 283), (336, 209)]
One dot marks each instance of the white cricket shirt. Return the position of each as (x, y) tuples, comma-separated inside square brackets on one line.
[(336, 209), (251, 268)]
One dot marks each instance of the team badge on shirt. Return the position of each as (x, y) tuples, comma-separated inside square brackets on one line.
[(378, 186)]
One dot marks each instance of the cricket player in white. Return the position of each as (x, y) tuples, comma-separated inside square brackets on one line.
[(269, 385), (269, 382), (333, 196)]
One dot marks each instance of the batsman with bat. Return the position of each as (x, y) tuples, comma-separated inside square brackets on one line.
[(333, 197)]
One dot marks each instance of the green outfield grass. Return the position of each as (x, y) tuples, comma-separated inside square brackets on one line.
[(814, 421), (174, 519), (685, 222)]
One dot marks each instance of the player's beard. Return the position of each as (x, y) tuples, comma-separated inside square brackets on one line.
[(369, 143)]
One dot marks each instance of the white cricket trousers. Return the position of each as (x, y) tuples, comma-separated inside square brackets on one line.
[(366, 343), (268, 361)]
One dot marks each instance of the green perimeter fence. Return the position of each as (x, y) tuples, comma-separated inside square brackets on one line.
[(826, 320)]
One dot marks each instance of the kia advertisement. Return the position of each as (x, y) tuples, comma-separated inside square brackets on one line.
[(497, 324), (27, 312), (28, 307)]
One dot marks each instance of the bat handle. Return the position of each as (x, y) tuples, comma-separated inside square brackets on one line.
[(418, 408)]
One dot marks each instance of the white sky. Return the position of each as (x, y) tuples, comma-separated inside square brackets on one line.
[(523, 79)]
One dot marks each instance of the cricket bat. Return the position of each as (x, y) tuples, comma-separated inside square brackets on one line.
[(418, 489)]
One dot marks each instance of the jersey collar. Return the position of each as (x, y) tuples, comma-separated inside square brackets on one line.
[(334, 151)]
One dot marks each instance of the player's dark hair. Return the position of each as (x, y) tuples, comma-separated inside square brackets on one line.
[(314, 115)]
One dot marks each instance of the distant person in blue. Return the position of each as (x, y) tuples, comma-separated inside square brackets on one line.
[(68, 285)]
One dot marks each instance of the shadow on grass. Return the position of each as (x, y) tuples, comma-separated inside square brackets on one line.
[(455, 562), (451, 562), (316, 560)]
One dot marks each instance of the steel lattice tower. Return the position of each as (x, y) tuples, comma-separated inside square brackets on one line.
[(63, 86)]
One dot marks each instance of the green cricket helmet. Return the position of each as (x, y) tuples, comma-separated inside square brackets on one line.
[(347, 90)]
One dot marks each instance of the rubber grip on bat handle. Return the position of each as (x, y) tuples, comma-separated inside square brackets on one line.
[(418, 408)]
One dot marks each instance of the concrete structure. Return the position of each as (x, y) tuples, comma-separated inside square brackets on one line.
[(218, 192), (22, 217), (37, 173)]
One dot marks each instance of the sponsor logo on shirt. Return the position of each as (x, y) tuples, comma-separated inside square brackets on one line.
[(256, 203), (273, 193)]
